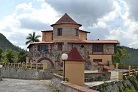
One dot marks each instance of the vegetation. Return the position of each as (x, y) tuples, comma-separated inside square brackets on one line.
[(12, 56), (120, 53), (32, 38), (9, 52), (133, 60), (128, 85)]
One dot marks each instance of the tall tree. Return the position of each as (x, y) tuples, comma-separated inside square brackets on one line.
[(32, 38), (120, 53), (1, 52), (10, 55), (22, 56)]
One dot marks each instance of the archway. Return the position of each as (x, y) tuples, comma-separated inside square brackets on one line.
[(45, 58)]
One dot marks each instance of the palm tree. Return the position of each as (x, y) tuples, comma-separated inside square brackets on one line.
[(32, 38), (10, 55)]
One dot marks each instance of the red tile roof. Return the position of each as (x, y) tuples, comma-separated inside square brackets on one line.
[(66, 19), (47, 31), (96, 41), (74, 55), (84, 31), (42, 42), (52, 31)]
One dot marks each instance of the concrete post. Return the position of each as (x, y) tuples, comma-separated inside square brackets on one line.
[(129, 69), (18, 65), (36, 66), (0, 72), (44, 66), (31, 65), (26, 65), (120, 75), (116, 66), (74, 70), (14, 64)]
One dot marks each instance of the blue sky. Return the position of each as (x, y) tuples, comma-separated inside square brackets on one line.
[(105, 19)]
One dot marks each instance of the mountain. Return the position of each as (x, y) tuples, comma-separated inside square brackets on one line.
[(133, 60), (6, 44)]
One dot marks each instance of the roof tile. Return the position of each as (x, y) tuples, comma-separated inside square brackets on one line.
[(66, 19), (74, 55)]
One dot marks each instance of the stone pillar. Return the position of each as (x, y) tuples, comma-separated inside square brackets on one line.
[(74, 68), (116, 65), (0, 72), (120, 75), (44, 66), (129, 69)]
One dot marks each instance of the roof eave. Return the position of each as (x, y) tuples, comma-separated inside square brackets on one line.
[(66, 23)]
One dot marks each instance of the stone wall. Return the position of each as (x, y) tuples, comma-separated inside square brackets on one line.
[(22, 73), (0, 74), (102, 76), (68, 87), (128, 85)]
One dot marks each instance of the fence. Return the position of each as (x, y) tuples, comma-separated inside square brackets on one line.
[(25, 65), (130, 73)]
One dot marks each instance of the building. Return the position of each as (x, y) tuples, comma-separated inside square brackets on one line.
[(63, 37)]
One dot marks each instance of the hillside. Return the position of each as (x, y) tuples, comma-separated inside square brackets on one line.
[(6, 44), (133, 60)]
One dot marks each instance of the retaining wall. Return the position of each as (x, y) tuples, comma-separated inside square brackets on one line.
[(68, 87), (23, 73), (98, 76)]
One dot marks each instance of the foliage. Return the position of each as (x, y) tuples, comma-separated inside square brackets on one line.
[(10, 56), (120, 53), (54, 89), (133, 59), (1, 51), (32, 38), (22, 56)]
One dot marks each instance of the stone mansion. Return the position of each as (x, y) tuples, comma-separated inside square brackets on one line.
[(62, 38)]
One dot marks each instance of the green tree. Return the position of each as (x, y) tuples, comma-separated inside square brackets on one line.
[(32, 38), (22, 56), (10, 56), (120, 53), (1, 52)]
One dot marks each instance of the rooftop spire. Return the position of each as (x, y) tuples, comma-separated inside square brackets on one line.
[(66, 19)]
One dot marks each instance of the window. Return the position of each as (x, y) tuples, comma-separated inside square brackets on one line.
[(42, 47), (97, 60), (60, 46), (59, 31), (97, 47), (77, 32)]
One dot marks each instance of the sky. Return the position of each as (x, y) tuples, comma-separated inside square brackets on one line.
[(105, 19)]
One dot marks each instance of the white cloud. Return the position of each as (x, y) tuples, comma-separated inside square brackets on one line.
[(110, 19), (27, 19)]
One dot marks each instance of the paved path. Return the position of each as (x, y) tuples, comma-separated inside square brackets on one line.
[(17, 85)]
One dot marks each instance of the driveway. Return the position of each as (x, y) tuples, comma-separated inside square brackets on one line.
[(17, 85)]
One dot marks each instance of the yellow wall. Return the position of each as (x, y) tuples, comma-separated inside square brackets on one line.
[(104, 58), (83, 35), (43, 36), (74, 71), (47, 36)]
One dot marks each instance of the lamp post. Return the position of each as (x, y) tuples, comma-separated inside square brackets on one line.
[(0, 72), (64, 57)]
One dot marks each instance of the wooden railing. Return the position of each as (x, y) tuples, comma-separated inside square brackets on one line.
[(131, 72), (25, 65)]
